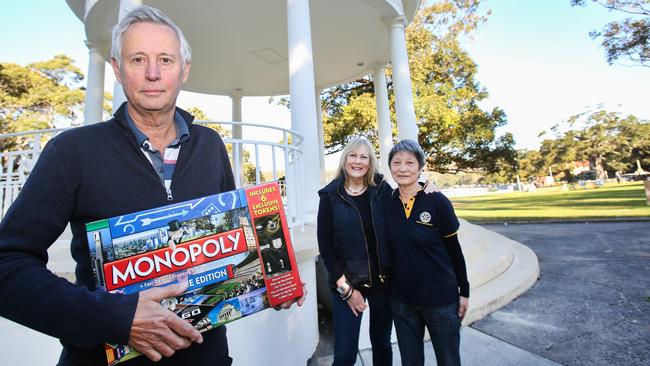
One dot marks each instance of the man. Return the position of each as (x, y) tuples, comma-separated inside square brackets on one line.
[(148, 155)]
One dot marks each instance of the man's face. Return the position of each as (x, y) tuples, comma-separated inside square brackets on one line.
[(152, 70)]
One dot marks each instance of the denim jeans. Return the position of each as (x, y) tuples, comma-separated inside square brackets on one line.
[(443, 324), (347, 325)]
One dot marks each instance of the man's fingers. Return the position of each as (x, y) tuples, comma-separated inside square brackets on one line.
[(159, 293), (184, 329), (302, 298), (151, 354)]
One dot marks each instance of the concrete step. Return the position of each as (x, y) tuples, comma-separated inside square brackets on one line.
[(495, 260), (519, 277), (473, 243)]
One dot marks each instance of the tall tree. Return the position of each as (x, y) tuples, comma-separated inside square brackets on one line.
[(455, 132), (35, 96), (627, 38), (608, 141)]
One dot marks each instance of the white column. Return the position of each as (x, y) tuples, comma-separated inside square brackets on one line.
[(94, 103), (406, 125), (321, 138), (303, 104), (383, 117), (237, 148), (118, 92)]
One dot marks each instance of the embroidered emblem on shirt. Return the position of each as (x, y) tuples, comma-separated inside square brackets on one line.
[(425, 217)]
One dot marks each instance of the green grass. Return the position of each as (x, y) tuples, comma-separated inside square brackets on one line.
[(626, 200)]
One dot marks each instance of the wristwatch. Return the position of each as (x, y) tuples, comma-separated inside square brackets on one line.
[(343, 290)]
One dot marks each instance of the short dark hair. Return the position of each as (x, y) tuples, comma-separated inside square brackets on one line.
[(409, 146)]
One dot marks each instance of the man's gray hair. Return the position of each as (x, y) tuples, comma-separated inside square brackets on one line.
[(146, 14), (409, 146)]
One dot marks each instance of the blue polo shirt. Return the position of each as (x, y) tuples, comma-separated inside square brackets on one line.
[(423, 269)]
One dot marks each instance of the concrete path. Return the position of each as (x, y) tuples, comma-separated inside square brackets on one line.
[(591, 305), (476, 348)]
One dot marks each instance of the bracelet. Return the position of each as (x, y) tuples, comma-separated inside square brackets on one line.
[(348, 295)]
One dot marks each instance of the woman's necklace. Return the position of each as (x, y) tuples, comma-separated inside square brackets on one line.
[(355, 191)]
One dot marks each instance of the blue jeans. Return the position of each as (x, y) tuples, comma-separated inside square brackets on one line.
[(443, 324), (347, 325)]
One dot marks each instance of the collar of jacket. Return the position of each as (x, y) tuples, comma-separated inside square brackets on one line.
[(120, 117)]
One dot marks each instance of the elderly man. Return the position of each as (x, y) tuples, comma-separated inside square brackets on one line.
[(149, 154)]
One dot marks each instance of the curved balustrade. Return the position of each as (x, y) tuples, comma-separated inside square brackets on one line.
[(276, 148)]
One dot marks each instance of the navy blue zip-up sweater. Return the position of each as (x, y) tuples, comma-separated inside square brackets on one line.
[(341, 239), (86, 174)]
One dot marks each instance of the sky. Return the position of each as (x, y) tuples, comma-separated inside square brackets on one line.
[(535, 59)]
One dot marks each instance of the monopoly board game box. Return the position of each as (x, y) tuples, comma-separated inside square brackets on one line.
[(233, 249)]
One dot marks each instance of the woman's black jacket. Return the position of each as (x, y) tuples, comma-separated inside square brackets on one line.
[(341, 240)]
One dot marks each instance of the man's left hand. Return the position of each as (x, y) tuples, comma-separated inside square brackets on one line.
[(299, 301)]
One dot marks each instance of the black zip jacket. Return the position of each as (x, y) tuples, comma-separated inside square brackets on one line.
[(341, 239), (86, 174)]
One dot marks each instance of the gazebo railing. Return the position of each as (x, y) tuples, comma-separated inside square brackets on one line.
[(277, 147)]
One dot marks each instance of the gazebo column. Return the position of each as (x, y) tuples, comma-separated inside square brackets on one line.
[(94, 103), (321, 139), (118, 92), (406, 125), (303, 105), (383, 117), (237, 149)]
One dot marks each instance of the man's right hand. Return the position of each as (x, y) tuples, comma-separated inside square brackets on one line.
[(156, 331)]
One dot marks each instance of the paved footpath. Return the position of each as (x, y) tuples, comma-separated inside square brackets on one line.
[(591, 305)]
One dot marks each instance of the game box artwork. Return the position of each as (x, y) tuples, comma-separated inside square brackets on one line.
[(233, 249)]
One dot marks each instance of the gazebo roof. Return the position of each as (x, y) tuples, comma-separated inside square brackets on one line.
[(240, 47)]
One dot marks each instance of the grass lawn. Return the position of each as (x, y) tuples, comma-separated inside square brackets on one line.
[(611, 201)]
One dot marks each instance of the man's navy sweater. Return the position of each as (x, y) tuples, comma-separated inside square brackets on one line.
[(86, 174)]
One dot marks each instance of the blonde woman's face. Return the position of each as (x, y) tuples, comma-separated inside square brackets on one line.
[(357, 162)]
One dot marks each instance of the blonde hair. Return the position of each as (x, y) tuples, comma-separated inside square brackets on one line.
[(372, 165)]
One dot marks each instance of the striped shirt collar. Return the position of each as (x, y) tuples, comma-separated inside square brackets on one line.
[(182, 132)]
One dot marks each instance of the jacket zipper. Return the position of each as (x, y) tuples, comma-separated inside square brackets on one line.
[(365, 240), (372, 216), (168, 191)]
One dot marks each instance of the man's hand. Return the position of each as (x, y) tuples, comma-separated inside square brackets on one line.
[(299, 301), (156, 331)]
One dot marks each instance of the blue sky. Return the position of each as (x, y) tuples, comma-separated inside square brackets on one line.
[(534, 57)]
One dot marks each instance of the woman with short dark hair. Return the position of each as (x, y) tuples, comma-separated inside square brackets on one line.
[(429, 286)]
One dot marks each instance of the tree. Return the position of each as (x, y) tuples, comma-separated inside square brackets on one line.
[(628, 38), (457, 134), (38, 95), (528, 166), (608, 141)]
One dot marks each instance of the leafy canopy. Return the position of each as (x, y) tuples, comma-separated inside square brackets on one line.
[(628, 38), (454, 131), (608, 141), (36, 95)]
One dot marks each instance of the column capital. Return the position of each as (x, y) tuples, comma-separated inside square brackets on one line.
[(94, 46), (396, 22), (236, 94), (378, 67)]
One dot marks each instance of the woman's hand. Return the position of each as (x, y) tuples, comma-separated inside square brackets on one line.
[(431, 187), (463, 304), (356, 302)]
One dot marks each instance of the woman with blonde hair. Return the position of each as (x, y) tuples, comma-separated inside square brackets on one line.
[(352, 243)]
